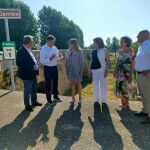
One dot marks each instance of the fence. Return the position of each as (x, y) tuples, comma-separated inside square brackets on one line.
[(63, 81)]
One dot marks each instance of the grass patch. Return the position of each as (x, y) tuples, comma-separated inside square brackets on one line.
[(87, 91)]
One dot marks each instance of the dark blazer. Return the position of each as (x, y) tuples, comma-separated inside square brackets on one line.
[(25, 65)]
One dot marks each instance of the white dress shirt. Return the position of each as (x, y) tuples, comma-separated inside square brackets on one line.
[(33, 57), (142, 60), (46, 52)]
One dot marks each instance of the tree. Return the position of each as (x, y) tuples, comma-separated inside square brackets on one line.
[(91, 46), (108, 43), (114, 44), (54, 23), (135, 46), (20, 27)]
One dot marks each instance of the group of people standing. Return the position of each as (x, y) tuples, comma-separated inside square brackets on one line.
[(126, 64), (28, 69)]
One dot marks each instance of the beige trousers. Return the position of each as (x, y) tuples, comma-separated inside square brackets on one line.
[(143, 82)]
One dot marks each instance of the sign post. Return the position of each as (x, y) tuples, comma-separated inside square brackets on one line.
[(10, 14)]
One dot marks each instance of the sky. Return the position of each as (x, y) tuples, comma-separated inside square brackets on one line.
[(101, 18)]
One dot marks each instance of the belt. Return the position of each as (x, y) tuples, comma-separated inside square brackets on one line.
[(50, 67)]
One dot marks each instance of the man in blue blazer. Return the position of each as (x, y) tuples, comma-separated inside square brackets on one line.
[(28, 71)]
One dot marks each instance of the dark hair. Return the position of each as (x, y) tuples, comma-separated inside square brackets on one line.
[(27, 39), (99, 41), (51, 38), (127, 40), (145, 31)]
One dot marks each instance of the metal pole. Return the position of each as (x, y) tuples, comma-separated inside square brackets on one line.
[(10, 61)]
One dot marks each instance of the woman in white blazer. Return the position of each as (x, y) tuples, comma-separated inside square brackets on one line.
[(99, 69)]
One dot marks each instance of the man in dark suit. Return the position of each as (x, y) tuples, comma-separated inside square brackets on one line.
[(28, 71)]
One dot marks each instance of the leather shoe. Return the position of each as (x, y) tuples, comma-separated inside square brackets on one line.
[(29, 108), (36, 104), (96, 104), (140, 114), (57, 99)]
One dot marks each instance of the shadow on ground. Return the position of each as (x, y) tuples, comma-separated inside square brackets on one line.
[(104, 132), (140, 134), (13, 137), (68, 128), (5, 94)]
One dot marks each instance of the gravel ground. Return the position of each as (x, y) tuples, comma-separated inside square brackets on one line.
[(64, 126)]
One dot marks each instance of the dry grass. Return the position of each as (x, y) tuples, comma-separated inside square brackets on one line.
[(87, 91)]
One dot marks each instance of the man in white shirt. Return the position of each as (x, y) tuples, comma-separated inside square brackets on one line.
[(28, 71), (49, 57), (142, 66)]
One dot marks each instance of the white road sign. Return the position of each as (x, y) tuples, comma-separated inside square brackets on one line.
[(10, 14)]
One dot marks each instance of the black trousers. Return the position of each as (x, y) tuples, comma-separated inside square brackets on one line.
[(51, 81)]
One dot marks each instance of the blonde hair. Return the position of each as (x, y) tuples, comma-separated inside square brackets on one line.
[(75, 43)]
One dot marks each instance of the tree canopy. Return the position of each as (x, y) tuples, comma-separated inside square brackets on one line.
[(112, 44), (53, 22), (18, 27), (135, 46)]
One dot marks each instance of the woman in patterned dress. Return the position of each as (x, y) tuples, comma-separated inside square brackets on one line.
[(74, 67), (123, 73)]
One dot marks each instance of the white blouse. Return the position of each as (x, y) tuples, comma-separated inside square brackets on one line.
[(102, 59)]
